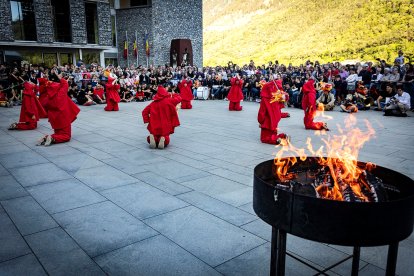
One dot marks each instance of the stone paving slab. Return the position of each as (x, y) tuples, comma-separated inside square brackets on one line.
[(24, 265), (209, 238), (195, 196), (10, 188), (154, 256), (103, 227), (28, 215), (60, 255)]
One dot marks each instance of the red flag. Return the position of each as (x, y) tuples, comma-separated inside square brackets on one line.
[(125, 50), (147, 48), (135, 48)]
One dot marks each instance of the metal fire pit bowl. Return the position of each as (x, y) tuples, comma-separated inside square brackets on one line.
[(356, 224)]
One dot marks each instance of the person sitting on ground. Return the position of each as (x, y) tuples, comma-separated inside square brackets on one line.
[(399, 104), (327, 99), (382, 98), (349, 105), (98, 94), (139, 96), (84, 97), (4, 101)]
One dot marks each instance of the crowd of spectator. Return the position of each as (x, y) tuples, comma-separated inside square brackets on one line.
[(361, 84)]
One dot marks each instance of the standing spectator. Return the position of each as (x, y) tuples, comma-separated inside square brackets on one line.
[(365, 75), (408, 81)]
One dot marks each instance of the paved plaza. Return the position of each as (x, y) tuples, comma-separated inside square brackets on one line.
[(106, 203)]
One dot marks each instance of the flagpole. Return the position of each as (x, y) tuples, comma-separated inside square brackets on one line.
[(146, 41), (126, 34), (136, 45)]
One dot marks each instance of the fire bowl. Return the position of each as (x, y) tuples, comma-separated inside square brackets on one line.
[(335, 222)]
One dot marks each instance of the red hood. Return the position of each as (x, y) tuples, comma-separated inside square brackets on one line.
[(308, 87), (161, 94)]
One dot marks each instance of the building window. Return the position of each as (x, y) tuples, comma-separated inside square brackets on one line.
[(66, 58), (91, 22), (61, 18), (113, 31), (50, 59), (140, 3), (23, 20)]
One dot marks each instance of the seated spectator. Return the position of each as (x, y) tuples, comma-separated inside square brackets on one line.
[(399, 104), (327, 99), (140, 96), (349, 106), (197, 83), (84, 96), (385, 96), (395, 75), (4, 102), (98, 94), (127, 95), (147, 91), (351, 81), (217, 88)]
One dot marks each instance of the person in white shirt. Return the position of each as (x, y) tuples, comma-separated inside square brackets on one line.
[(351, 80), (399, 104)]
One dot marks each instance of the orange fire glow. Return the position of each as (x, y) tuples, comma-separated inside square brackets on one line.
[(338, 152)]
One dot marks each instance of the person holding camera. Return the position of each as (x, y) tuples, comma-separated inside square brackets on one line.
[(399, 104), (235, 94)]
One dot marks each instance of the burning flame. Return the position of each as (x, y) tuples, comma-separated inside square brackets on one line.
[(339, 153)]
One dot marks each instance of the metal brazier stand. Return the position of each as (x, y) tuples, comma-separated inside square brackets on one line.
[(353, 224)]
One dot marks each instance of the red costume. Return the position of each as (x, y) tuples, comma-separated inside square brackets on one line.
[(61, 110), (98, 92), (161, 116), (269, 115), (31, 110), (43, 95), (309, 106), (112, 96), (185, 92), (235, 94)]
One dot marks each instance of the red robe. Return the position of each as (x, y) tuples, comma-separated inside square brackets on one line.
[(43, 94), (309, 106), (269, 115), (161, 114), (112, 95), (99, 92), (186, 94), (235, 94), (62, 111), (30, 106)]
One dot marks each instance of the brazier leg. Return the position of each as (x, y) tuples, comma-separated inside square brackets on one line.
[(355, 260), (392, 259)]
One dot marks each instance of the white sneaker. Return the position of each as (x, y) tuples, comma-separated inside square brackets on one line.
[(41, 141), (152, 145), (48, 141), (161, 143)]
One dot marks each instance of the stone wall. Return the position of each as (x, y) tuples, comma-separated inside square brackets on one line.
[(6, 33), (131, 20), (77, 17), (44, 21), (177, 19), (104, 24)]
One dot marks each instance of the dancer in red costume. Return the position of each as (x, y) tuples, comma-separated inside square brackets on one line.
[(270, 115), (62, 111), (185, 92), (31, 110), (161, 116), (309, 106), (235, 94), (43, 94), (112, 95), (284, 99)]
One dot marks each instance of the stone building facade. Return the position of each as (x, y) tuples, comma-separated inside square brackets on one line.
[(46, 49), (165, 20)]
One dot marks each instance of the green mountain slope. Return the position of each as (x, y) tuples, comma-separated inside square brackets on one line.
[(296, 30)]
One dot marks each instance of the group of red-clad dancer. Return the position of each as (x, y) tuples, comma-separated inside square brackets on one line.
[(161, 114)]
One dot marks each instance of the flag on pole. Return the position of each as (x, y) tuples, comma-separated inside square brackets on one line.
[(125, 50), (147, 48), (135, 48)]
